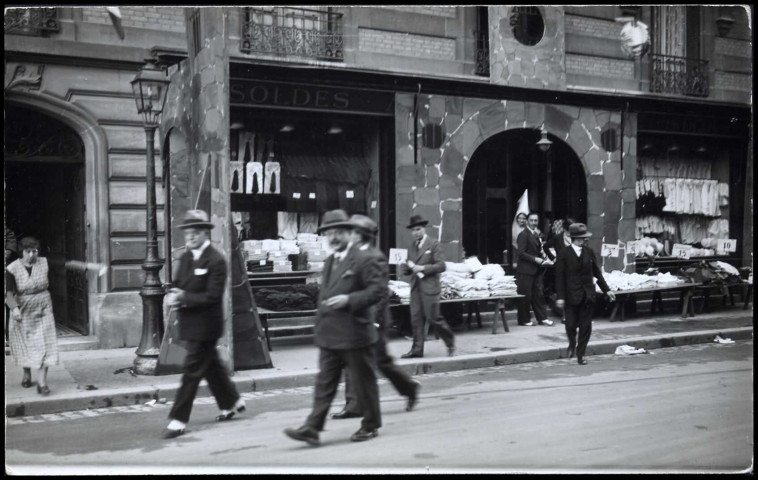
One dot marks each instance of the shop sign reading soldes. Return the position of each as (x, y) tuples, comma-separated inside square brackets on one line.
[(253, 93)]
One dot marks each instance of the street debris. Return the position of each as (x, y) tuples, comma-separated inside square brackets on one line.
[(629, 350), (90, 387), (720, 339), (126, 369), (150, 403)]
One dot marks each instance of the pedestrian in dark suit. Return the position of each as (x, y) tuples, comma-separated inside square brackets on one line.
[(362, 236), (574, 270), (560, 240), (351, 284), (200, 281), (424, 265), (530, 273)]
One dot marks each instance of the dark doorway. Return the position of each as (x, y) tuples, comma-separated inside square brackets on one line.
[(45, 192), (499, 172)]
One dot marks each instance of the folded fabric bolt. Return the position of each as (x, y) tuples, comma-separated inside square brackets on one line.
[(629, 350)]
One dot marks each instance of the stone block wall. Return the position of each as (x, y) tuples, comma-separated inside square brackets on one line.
[(406, 44), (155, 18), (448, 12), (539, 66), (431, 185)]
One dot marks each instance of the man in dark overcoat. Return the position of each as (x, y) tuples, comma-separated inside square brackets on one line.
[(574, 269), (351, 284), (530, 274), (364, 233), (199, 282), (424, 264)]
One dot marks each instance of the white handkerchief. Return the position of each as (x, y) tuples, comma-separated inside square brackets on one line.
[(428, 251), (201, 271)]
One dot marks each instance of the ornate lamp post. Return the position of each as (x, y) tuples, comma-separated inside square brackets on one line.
[(150, 87)]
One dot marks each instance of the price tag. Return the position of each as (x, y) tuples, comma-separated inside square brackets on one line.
[(726, 245), (349, 194), (373, 203), (609, 250), (631, 247), (681, 251), (296, 195), (312, 195), (262, 262), (398, 256)]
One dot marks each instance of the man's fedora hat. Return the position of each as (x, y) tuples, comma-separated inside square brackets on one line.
[(417, 221), (364, 224), (579, 230), (196, 219), (335, 219)]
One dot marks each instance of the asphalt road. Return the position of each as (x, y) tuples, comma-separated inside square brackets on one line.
[(685, 409)]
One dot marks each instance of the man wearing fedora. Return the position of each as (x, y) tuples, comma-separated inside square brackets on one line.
[(574, 269), (351, 284), (424, 265), (362, 238), (199, 289)]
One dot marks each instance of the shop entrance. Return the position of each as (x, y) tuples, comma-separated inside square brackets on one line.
[(501, 169), (44, 195)]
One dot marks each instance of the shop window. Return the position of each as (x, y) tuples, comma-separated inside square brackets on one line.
[(609, 138), (528, 25), (433, 135)]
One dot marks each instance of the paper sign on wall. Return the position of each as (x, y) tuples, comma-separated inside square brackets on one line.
[(262, 262), (681, 251), (726, 245), (631, 247), (373, 203), (296, 195), (349, 194), (312, 195), (398, 256), (609, 250)]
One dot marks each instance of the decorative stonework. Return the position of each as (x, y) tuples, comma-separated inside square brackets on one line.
[(433, 187), (518, 65), (24, 77)]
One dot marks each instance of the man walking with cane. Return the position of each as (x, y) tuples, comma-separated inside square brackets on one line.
[(574, 269), (200, 281)]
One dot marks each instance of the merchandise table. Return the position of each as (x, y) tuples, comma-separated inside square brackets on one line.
[(686, 290), (704, 292)]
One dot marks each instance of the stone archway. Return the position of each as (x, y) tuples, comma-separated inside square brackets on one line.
[(432, 186)]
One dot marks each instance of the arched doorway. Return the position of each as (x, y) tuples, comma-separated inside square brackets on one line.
[(501, 169), (45, 192)]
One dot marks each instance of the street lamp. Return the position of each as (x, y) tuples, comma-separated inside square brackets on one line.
[(150, 87), (544, 143)]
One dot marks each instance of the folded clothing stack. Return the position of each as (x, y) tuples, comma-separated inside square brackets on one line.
[(252, 250), (469, 287), (619, 281), (400, 290), (505, 285), (490, 272)]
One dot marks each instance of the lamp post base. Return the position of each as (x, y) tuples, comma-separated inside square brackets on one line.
[(145, 364)]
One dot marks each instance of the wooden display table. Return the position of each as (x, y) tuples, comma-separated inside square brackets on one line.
[(624, 296), (704, 292)]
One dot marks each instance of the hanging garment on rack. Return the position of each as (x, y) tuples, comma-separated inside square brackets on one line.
[(692, 229), (719, 228), (236, 170), (723, 194), (245, 146), (272, 179), (308, 222), (669, 189), (287, 225), (254, 177)]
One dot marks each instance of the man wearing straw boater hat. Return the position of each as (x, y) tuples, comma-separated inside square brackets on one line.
[(198, 293), (574, 269), (362, 237), (424, 265), (352, 284)]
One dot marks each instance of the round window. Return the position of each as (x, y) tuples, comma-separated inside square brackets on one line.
[(528, 25)]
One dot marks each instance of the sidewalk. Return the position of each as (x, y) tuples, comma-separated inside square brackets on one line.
[(88, 379)]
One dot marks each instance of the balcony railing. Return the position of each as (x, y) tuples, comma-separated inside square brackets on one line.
[(300, 32), (678, 75), (31, 21), (482, 53)]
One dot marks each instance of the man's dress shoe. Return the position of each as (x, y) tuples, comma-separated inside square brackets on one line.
[(304, 434), (413, 397), (571, 351), (345, 414), (581, 361), (363, 434), (171, 433), (411, 355), (229, 415)]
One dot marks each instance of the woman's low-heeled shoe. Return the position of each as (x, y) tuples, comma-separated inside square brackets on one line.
[(43, 390), (26, 383)]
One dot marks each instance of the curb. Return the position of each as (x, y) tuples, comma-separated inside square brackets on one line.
[(139, 395)]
